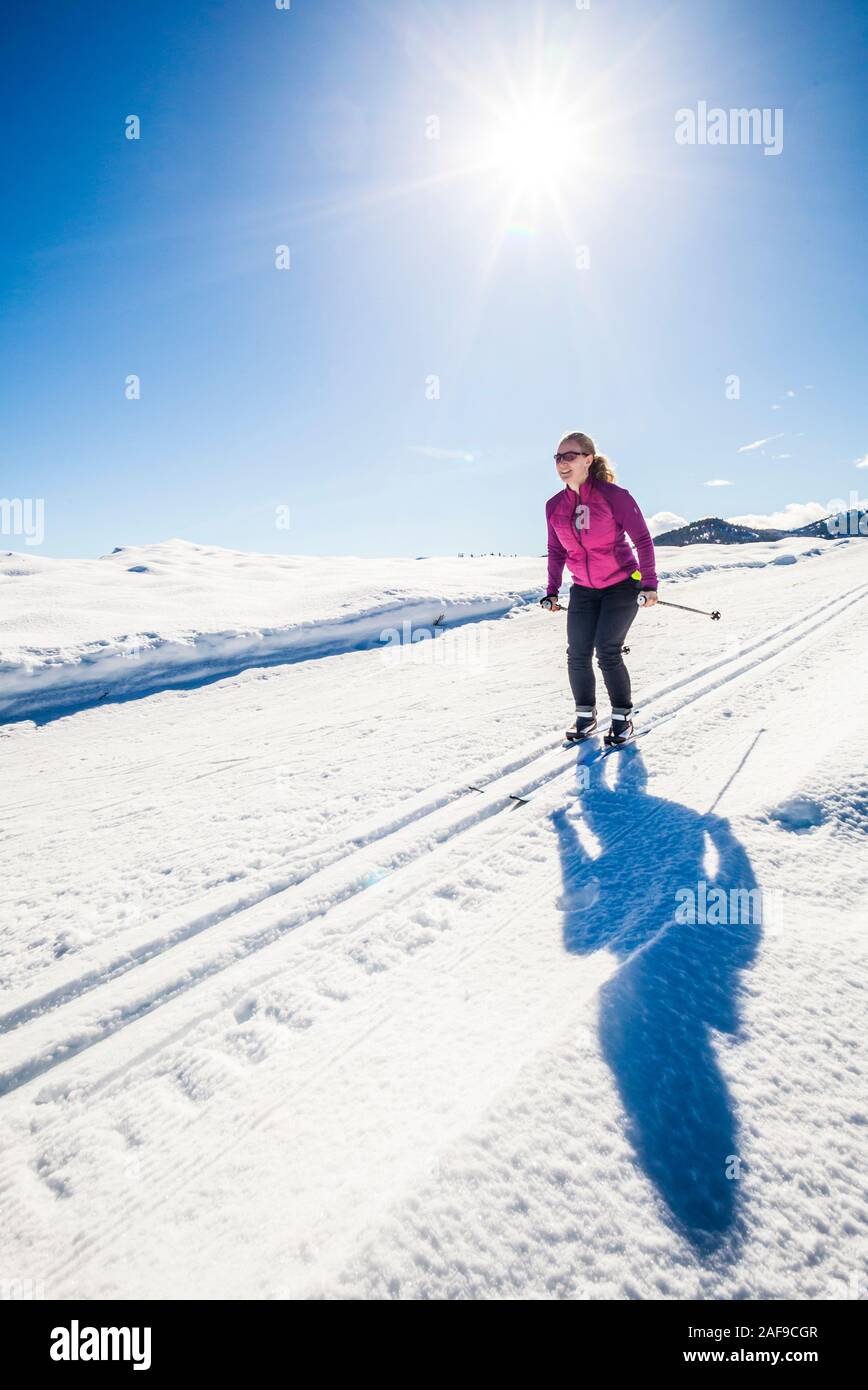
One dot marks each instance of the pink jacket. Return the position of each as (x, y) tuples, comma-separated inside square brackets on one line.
[(586, 531)]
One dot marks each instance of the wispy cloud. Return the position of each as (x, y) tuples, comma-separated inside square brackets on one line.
[(862, 462), (758, 443), (789, 395), (719, 482), (428, 451)]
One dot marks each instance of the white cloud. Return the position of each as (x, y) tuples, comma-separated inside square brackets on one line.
[(781, 456), (793, 515), (789, 393), (665, 521), (719, 482), (862, 462), (428, 451), (758, 443)]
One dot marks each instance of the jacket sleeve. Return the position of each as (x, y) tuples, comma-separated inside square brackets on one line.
[(630, 517), (557, 557)]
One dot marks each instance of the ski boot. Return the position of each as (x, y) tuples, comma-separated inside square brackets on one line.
[(620, 729), (585, 725)]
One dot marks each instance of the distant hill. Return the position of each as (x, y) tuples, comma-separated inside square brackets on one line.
[(854, 523), (713, 530)]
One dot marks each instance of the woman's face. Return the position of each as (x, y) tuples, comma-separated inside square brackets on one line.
[(571, 462)]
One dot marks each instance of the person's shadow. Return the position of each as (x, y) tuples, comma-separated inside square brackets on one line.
[(676, 978)]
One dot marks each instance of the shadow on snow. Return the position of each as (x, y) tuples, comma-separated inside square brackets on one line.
[(674, 982)]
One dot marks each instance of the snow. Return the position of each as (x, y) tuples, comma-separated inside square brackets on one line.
[(74, 632), (298, 1001)]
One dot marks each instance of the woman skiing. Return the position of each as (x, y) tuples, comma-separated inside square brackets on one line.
[(587, 522)]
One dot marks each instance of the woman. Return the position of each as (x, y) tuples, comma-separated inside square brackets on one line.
[(587, 522)]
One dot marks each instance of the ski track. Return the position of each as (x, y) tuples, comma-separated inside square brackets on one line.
[(121, 1012), (137, 953), (256, 885), (394, 1012), (497, 823)]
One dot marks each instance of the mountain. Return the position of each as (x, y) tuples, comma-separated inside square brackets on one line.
[(713, 530)]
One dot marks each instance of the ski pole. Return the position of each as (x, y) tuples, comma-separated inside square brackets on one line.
[(641, 600)]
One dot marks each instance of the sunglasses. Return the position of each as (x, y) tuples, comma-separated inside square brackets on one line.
[(570, 455)]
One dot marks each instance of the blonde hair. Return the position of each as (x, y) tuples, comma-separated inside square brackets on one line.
[(600, 466)]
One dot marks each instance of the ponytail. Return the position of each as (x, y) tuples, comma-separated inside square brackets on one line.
[(602, 469)]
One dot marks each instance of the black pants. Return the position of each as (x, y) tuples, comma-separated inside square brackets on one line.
[(599, 620)]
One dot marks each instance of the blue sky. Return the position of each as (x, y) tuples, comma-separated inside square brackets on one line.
[(414, 257)]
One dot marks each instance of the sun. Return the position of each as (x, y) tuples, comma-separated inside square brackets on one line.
[(533, 145)]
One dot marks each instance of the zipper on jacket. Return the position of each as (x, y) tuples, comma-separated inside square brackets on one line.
[(579, 534)]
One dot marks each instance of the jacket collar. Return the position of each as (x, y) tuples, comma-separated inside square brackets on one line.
[(583, 492)]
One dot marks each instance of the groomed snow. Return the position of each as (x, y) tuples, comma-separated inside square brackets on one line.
[(298, 1000), (81, 631)]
